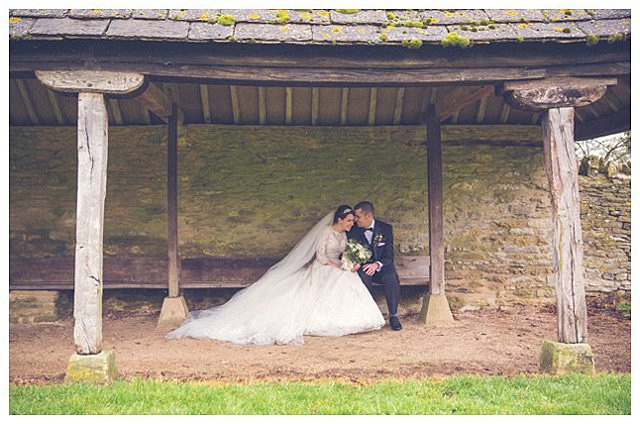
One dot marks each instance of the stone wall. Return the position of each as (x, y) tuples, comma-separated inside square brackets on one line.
[(246, 191)]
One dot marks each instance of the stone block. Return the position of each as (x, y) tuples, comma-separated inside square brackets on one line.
[(174, 312), (436, 310), (566, 358), (100, 368)]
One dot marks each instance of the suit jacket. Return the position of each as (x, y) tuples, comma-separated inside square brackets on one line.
[(381, 243)]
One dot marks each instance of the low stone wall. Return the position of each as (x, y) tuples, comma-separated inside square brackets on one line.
[(253, 191)]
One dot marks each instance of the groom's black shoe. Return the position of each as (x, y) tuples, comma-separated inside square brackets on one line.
[(394, 323)]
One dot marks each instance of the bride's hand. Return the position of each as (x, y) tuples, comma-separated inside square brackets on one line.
[(355, 267)]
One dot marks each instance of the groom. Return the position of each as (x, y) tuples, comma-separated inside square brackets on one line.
[(378, 236)]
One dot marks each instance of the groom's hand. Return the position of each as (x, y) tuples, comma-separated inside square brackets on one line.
[(370, 269)]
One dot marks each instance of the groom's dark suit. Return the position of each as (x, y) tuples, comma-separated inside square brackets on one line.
[(382, 251)]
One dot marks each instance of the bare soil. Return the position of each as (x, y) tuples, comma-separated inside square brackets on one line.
[(505, 341)]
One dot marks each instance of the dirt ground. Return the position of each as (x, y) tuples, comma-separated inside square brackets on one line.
[(488, 342)]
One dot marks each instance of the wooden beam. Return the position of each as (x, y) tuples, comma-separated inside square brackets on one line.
[(504, 115), (262, 106), (434, 96), (555, 92), (235, 106), (566, 231), (344, 105), (33, 117), (91, 191), (288, 105), (373, 99), (172, 203), (482, 110), (461, 97), (315, 105), (436, 219), (204, 99), (115, 109), (397, 109), (157, 101), (107, 82), (55, 106), (455, 117), (606, 125)]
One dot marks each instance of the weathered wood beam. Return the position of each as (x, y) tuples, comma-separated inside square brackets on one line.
[(57, 112), (262, 106), (315, 105), (504, 114), (461, 97), (172, 203), (288, 115), (555, 92), (482, 110), (155, 100), (566, 231), (434, 96), (204, 99), (435, 306), (344, 105), (606, 125), (373, 99), (235, 105), (397, 108), (91, 81), (28, 104), (91, 191), (436, 220), (115, 110)]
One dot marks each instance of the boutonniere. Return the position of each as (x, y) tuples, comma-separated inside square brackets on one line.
[(378, 238)]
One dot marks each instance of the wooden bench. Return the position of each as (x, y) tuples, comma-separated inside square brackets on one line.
[(151, 273)]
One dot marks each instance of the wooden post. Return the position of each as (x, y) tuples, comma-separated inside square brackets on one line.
[(92, 185), (90, 362), (435, 307), (174, 307), (561, 168), (172, 203)]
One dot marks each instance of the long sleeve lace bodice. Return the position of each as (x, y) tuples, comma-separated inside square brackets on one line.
[(330, 246)]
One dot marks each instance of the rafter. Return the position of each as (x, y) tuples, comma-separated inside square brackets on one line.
[(204, 99), (55, 106), (33, 117), (235, 106), (460, 97), (373, 99), (397, 110), (262, 106), (315, 103), (288, 105), (344, 105)]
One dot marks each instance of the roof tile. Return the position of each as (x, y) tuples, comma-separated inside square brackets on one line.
[(606, 27), (149, 14), (19, 27), (492, 32), (100, 13), (131, 28), (610, 13), (347, 34), (555, 15), (68, 26), (516, 15), (361, 17), (440, 17), (39, 13), (194, 14), (432, 33), (206, 31), (543, 31), (267, 32), (279, 17)]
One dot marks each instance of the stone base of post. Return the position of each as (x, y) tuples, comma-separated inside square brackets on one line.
[(436, 310), (174, 311), (99, 368), (566, 358)]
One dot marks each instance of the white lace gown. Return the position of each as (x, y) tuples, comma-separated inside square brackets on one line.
[(317, 299)]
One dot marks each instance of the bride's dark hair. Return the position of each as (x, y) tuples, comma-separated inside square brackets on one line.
[(342, 212)]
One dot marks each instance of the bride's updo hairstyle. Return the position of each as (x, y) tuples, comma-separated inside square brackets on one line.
[(342, 212)]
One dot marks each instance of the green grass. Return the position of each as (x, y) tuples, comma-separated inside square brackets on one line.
[(576, 394)]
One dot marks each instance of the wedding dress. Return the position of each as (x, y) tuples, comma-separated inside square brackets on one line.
[(303, 294)]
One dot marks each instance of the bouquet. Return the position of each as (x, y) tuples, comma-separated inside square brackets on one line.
[(354, 253)]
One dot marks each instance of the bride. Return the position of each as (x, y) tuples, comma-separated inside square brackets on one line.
[(306, 293)]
